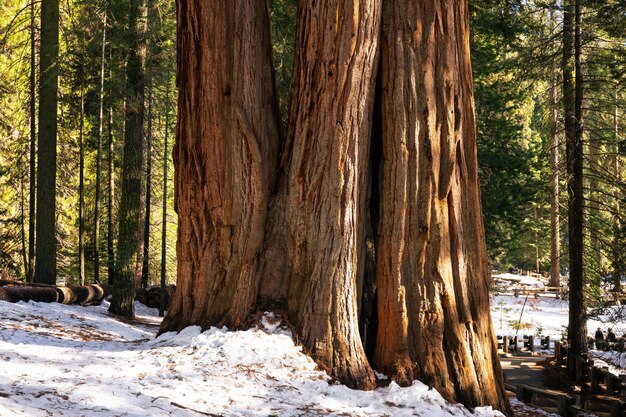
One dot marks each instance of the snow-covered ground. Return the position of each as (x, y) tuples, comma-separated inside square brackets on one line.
[(547, 317), (58, 360)]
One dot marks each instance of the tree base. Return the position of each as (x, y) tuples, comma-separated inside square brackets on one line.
[(123, 303)]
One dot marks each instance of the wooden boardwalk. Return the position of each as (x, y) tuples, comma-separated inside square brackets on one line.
[(525, 370)]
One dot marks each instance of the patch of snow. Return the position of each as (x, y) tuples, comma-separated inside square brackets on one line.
[(547, 317), (613, 360), (81, 361)]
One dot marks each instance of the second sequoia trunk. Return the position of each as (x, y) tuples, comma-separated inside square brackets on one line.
[(432, 272), (323, 194)]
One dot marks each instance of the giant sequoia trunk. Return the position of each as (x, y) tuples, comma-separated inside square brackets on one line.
[(130, 242), (303, 248), (323, 196), (225, 156), (433, 305)]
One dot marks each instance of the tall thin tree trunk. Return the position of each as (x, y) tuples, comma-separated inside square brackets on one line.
[(33, 150), (432, 275), (46, 267), (130, 241), (537, 251), (145, 269), (164, 209), (111, 185), (593, 206), (555, 219), (96, 250), (618, 256), (23, 215), (572, 99), (81, 182)]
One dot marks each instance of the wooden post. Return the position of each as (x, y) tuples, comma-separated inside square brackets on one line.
[(579, 364), (505, 344), (523, 394), (531, 343), (612, 383), (515, 344), (557, 352), (615, 408), (594, 380), (547, 341), (562, 406)]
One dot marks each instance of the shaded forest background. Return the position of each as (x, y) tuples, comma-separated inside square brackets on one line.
[(516, 56)]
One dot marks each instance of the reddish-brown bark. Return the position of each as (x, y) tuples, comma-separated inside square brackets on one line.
[(225, 156), (240, 247), (322, 198), (433, 306)]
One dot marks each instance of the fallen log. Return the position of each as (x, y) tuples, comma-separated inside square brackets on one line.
[(15, 293), (49, 294), (92, 294)]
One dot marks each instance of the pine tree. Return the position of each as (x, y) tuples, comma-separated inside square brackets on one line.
[(130, 241), (45, 265)]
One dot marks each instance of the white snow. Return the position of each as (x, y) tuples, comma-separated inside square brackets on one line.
[(526, 280), (59, 360), (547, 317)]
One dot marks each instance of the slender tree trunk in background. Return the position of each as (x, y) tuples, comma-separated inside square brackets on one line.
[(433, 300), (593, 212), (164, 209), (572, 99), (96, 250), (33, 150), (23, 216), (555, 219), (618, 256), (81, 182), (111, 184), (227, 146), (45, 267), (537, 252), (145, 268), (130, 240)]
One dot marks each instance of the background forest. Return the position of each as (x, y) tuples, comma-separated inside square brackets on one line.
[(517, 47)]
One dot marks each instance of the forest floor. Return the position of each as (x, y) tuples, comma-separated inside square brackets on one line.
[(59, 360), (548, 317)]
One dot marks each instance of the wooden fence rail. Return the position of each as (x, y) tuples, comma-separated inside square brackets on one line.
[(601, 392), (507, 344)]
